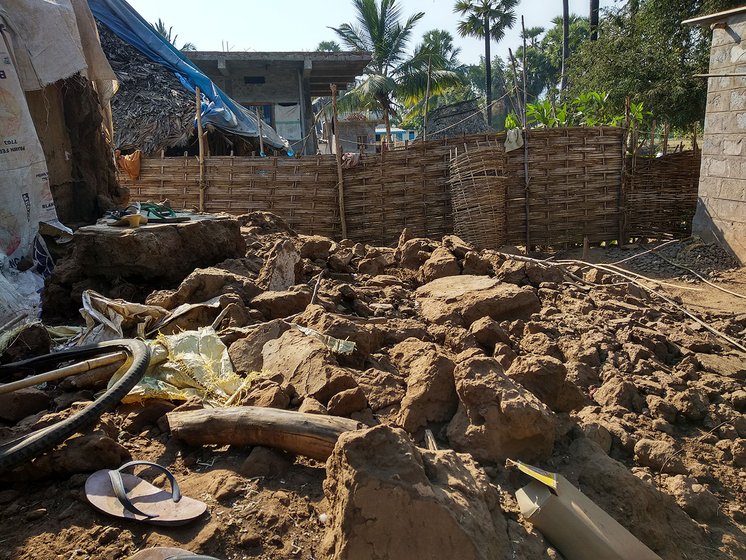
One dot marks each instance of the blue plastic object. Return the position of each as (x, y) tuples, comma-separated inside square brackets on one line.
[(218, 108)]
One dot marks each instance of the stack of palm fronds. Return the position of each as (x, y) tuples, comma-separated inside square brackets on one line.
[(457, 119), (152, 110)]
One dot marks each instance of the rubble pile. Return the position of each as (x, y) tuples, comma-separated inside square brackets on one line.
[(634, 403)]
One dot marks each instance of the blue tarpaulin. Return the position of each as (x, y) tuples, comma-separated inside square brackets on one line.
[(217, 108)]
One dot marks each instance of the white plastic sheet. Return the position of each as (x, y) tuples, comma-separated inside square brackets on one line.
[(25, 198)]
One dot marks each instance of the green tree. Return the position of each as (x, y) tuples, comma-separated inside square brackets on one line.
[(551, 45), (160, 28), (502, 95), (328, 46), (544, 56), (488, 20), (393, 76), (644, 52), (437, 44)]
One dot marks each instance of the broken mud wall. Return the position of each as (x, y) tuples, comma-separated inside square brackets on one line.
[(68, 121), (576, 188)]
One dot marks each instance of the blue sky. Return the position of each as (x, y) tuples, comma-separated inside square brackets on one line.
[(298, 25)]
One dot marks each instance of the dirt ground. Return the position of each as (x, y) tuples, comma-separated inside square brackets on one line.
[(630, 400)]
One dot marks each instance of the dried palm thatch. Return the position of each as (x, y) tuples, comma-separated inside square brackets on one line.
[(152, 110), (457, 119)]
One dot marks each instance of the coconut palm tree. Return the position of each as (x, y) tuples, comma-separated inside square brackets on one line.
[(328, 46), (437, 44), (160, 28), (440, 42), (488, 20), (392, 76)]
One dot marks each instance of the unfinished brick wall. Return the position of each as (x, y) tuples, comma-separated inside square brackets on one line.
[(721, 209)]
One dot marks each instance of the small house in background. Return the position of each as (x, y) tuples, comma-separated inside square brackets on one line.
[(280, 85), (357, 133), (398, 135), (721, 208)]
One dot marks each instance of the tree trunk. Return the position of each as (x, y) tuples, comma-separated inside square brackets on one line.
[(487, 70), (387, 121), (594, 20), (565, 42)]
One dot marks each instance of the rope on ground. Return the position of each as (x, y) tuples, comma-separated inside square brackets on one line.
[(651, 250), (637, 283), (655, 250), (698, 275)]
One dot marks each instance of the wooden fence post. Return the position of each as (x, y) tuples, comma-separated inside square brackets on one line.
[(340, 175), (526, 179), (201, 141)]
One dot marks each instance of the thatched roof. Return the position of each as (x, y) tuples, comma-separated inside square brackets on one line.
[(152, 110), (457, 119)]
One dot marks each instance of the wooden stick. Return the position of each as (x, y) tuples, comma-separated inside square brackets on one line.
[(201, 140), (526, 179), (66, 371), (259, 123), (311, 435), (340, 174), (586, 248), (427, 97), (430, 442)]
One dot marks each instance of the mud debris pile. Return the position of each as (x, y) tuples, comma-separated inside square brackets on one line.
[(634, 403)]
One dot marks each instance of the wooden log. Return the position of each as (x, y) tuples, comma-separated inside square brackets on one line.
[(311, 435)]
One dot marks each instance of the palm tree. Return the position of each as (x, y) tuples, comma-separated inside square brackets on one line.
[(160, 28), (487, 19), (437, 45), (532, 35), (328, 46), (391, 76), (440, 42)]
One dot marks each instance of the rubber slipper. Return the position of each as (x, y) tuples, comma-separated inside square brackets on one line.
[(130, 497), (167, 553)]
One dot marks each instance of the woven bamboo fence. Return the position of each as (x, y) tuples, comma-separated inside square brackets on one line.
[(576, 188), (302, 191), (661, 195)]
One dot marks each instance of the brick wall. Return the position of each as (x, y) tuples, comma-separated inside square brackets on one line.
[(721, 209)]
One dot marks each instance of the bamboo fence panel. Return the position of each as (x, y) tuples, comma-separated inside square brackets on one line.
[(574, 179), (662, 195), (575, 188)]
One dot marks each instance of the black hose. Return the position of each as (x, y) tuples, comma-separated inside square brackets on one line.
[(29, 446)]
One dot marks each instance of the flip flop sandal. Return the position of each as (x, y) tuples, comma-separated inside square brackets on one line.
[(130, 497), (166, 553), (159, 214)]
